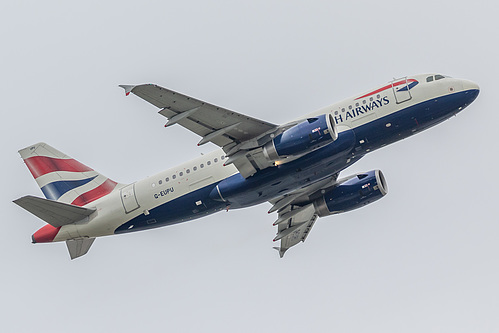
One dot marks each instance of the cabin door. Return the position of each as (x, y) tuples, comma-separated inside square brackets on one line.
[(401, 90)]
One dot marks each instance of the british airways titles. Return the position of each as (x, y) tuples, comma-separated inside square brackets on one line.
[(360, 110)]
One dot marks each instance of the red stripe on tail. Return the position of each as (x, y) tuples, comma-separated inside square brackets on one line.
[(98, 192), (42, 165)]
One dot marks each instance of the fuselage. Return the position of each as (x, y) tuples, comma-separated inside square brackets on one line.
[(205, 185)]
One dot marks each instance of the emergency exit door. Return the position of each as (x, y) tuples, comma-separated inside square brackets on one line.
[(129, 199)]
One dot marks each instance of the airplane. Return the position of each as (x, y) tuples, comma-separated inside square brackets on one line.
[(294, 166)]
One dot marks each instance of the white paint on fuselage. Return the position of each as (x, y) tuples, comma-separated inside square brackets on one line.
[(204, 170), (424, 91)]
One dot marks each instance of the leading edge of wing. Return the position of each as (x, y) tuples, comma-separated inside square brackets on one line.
[(174, 104)]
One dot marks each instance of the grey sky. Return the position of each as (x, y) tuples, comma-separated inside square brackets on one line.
[(423, 259)]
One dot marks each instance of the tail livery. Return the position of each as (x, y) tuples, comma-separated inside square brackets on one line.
[(64, 179), (67, 185)]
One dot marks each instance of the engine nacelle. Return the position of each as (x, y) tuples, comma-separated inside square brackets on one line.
[(352, 194), (302, 138)]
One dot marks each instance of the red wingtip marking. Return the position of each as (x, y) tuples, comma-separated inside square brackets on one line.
[(128, 93)]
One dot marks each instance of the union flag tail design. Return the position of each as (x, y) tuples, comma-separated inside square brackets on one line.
[(62, 178)]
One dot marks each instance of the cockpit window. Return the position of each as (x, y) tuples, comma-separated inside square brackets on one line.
[(429, 79), (439, 77)]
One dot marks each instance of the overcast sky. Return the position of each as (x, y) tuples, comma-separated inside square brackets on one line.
[(422, 259)]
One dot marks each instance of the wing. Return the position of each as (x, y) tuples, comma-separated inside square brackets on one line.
[(236, 133), (297, 214), (294, 224)]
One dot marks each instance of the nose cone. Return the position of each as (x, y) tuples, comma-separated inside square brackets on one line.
[(470, 90), (469, 85)]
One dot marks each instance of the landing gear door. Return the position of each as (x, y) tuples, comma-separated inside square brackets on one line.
[(401, 90), (129, 199)]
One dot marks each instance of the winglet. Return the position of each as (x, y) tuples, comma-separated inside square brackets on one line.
[(128, 88)]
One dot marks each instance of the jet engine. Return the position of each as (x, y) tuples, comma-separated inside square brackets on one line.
[(354, 193), (302, 138)]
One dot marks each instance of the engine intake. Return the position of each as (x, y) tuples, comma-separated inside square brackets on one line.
[(302, 138), (354, 193)]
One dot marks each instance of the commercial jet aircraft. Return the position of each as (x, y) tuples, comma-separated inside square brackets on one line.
[(294, 166)]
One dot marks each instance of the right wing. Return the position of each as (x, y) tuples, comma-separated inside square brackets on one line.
[(236, 133), (296, 213), (294, 224)]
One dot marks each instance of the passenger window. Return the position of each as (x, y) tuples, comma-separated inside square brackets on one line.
[(209, 162), (188, 170), (222, 157), (181, 174), (167, 179), (195, 168), (160, 182), (202, 165), (174, 176), (429, 79), (439, 77), (215, 160)]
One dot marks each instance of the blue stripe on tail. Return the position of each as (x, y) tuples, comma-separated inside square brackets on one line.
[(55, 190)]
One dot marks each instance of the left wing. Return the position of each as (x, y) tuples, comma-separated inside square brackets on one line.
[(236, 133)]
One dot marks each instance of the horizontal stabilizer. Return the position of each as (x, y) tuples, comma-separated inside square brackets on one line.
[(54, 213), (79, 247)]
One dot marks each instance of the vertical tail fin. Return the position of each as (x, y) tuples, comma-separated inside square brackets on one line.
[(64, 179)]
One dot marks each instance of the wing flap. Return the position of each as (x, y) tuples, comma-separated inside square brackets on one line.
[(296, 228), (54, 213)]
